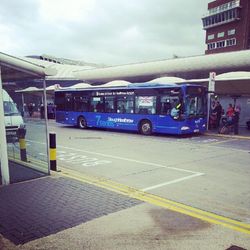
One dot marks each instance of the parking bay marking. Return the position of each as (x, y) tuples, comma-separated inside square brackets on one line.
[(193, 173)]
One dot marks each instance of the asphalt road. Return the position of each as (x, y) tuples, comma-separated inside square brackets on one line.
[(204, 172)]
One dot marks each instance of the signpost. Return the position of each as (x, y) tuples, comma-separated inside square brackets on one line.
[(211, 88)]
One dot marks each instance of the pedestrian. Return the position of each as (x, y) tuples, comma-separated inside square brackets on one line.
[(236, 118), (229, 113), (213, 116), (30, 109), (218, 111), (42, 111)]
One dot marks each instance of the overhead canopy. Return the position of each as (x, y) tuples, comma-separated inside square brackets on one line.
[(168, 79), (14, 68), (188, 68), (231, 83), (232, 76), (38, 91)]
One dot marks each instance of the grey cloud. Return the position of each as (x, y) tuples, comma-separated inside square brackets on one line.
[(164, 28)]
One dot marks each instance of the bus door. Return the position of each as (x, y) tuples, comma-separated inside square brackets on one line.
[(68, 107), (166, 122)]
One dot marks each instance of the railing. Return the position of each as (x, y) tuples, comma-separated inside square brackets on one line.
[(222, 8)]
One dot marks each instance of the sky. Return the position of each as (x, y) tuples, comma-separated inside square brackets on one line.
[(110, 32)]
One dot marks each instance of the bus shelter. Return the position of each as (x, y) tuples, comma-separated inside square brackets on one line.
[(13, 69)]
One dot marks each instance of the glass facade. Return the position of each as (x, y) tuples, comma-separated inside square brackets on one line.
[(26, 138), (221, 18), (221, 44)]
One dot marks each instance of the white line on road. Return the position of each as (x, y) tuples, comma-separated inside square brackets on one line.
[(127, 159), (171, 182)]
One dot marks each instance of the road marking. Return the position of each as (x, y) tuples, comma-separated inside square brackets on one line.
[(219, 142), (158, 201), (82, 160), (90, 162), (126, 159), (73, 158), (171, 182), (131, 160)]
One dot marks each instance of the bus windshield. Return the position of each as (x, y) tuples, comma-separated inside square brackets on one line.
[(10, 108)]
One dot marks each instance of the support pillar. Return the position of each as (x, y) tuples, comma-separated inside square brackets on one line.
[(3, 143)]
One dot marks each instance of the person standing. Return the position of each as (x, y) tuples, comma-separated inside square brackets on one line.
[(236, 118), (230, 112), (218, 111), (30, 109)]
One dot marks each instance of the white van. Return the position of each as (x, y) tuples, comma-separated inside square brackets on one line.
[(12, 117)]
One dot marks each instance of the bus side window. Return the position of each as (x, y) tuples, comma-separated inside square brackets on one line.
[(97, 104), (109, 104), (68, 102)]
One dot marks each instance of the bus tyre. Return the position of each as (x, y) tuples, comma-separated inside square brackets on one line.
[(145, 127), (82, 122)]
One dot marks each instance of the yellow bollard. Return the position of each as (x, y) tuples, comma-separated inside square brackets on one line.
[(22, 143), (52, 151)]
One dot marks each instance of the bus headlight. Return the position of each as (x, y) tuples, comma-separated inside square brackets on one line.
[(185, 128)]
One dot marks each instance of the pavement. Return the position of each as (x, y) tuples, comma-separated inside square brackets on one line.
[(244, 133), (61, 211)]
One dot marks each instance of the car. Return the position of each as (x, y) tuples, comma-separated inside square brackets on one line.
[(12, 118)]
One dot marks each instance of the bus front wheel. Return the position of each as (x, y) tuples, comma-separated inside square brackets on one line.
[(145, 127), (82, 122)]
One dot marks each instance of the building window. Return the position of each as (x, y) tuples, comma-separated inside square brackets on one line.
[(210, 37), (220, 44), (231, 42), (217, 18), (211, 46), (220, 34), (231, 32)]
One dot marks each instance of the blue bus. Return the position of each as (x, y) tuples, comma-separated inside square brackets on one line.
[(144, 107)]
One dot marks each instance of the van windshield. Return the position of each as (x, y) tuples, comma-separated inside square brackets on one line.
[(10, 108)]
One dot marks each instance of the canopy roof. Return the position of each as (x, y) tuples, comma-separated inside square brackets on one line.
[(188, 68), (14, 68)]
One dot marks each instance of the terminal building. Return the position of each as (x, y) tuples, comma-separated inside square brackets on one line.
[(227, 26)]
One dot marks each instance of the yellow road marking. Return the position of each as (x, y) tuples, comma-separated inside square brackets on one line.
[(219, 142), (229, 136), (158, 201)]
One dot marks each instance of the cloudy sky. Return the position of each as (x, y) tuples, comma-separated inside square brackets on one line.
[(103, 31)]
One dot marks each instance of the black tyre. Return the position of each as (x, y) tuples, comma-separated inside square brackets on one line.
[(145, 127), (82, 123)]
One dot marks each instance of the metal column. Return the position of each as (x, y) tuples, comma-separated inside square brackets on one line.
[(3, 143), (46, 122)]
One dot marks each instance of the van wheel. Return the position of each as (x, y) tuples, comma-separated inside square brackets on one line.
[(82, 123), (145, 127)]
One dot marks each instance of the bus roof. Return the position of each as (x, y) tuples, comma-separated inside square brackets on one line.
[(130, 86)]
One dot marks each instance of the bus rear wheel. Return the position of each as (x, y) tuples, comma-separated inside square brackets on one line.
[(82, 123), (145, 127)]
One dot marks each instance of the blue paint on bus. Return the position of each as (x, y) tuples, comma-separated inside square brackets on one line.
[(143, 111)]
